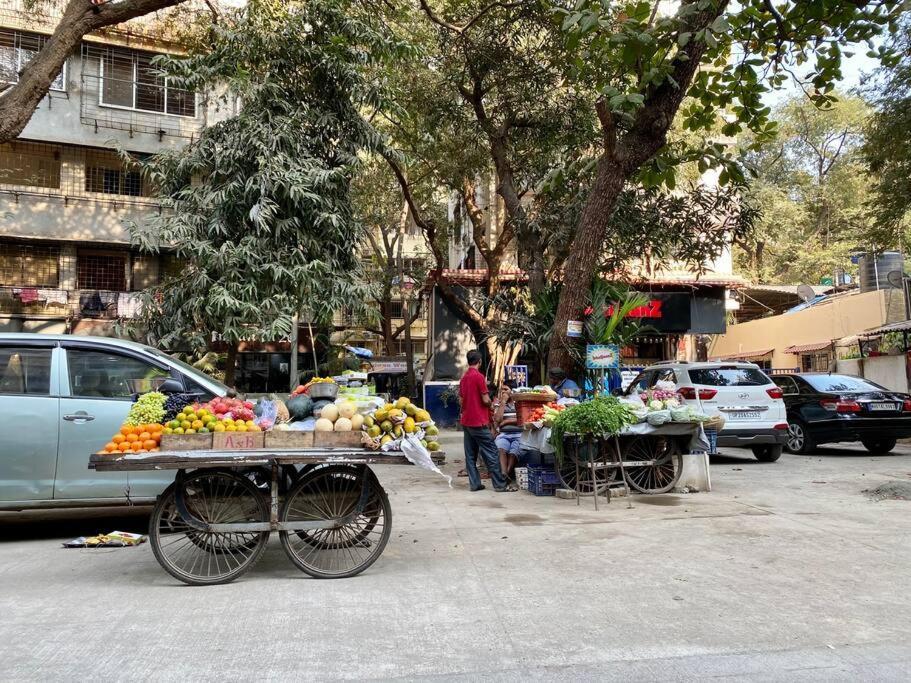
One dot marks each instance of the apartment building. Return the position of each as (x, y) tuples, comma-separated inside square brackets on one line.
[(66, 197)]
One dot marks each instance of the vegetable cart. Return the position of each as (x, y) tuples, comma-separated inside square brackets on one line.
[(213, 523), (646, 458)]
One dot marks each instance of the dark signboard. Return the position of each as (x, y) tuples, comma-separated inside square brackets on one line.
[(682, 312)]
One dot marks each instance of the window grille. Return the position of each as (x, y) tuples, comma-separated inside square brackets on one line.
[(29, 265), (105, 173), (16, 50), (129, 80), (30, 164), (101, 270)]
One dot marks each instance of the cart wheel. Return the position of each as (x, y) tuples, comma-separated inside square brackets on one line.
[(589, 480), (202, 558), (663, 475), (330, 493)]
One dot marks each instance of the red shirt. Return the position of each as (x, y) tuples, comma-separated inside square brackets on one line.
[(471, 388)]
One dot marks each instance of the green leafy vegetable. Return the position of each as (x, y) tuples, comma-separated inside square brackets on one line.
[(604, 415)]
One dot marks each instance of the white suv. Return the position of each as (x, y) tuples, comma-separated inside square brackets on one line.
[(750, 402)]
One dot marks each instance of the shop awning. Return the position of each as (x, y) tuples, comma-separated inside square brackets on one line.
[(744, 355), (902, 326), (806, 348)]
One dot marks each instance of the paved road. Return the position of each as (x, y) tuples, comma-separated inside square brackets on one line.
[(786, 571)]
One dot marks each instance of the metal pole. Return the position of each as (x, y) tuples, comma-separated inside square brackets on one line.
[(292, 373)]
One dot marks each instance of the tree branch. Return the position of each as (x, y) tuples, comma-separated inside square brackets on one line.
[(455, 28), (81, 17)]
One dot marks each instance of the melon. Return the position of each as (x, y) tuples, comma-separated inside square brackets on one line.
[(346, 409), (357, 420), (323, 425), (343, 424), (329, 412), (299, 407)]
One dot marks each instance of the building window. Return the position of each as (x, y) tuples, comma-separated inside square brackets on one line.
[(129, 80), (30, 164), (102, 270), (16, 50), (27, 265), (105, 173)]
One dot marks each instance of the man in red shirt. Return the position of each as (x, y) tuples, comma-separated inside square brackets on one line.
[(475, 419)]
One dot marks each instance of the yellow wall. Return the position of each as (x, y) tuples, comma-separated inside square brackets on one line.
[(842, 317)]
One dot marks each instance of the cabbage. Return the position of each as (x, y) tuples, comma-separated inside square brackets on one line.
[(655, 404)]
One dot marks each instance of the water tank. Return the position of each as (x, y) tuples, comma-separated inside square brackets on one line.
[(875, 269)]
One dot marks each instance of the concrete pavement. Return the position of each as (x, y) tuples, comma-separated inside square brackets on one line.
[(786, 571)]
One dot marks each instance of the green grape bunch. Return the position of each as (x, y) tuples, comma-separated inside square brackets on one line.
[(148, 409)]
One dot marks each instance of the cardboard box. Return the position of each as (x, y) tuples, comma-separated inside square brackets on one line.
[(289, 439), (237, 441), (186, 442), (337, 439)]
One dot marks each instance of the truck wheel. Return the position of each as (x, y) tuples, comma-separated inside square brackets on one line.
[(767, 453), (878, 445)]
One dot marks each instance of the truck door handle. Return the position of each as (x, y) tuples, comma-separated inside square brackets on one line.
[(84, 417)]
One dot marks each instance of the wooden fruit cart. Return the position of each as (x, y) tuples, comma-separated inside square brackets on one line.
[(213, 523)]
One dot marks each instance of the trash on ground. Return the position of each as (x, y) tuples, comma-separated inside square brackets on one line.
[(115, 539), (892, 490)]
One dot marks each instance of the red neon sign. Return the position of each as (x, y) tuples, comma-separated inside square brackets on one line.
[(650, 310)]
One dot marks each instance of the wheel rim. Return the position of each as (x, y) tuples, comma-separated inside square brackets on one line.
[(217, 498), (334, 493), (795, 437), (588, 480), (657, 478)]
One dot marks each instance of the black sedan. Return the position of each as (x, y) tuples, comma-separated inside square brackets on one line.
[(828, 408)]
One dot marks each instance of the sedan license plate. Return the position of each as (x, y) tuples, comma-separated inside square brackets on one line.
[(883, 407), (741, 415)]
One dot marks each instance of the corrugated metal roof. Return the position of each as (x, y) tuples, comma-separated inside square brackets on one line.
[(744, 354), (802, 348)]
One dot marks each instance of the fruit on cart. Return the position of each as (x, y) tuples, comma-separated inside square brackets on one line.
[(324, 425), (300, 407), (174, 403), (342, 424), (411, 410), (369, 421), (386, 439), (357, 421), (433, 446), (421, 415), (346, 409), (329, 412), (140, 438), (409, 426), (402, 403), (386, 426), (148, 409), (431, 430), (374, 431)]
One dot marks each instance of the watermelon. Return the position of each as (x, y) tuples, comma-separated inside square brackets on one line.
[(300, 407)]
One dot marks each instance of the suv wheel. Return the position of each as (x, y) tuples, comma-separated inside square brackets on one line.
[(768, 452), (799, 440), (878, 445)]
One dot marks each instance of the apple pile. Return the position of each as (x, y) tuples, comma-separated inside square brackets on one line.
[(230, 409)]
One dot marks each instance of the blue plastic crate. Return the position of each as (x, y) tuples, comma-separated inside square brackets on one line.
[(542, 481)]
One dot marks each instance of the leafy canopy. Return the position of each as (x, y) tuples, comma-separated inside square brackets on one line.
[(258, 208)]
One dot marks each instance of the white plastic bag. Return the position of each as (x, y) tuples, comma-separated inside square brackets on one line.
[(418, 455), (658, 417)]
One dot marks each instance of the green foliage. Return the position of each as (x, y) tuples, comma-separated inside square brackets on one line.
[(812, 187), (258, 207), (629, 51), (887, 148), (601, 416), (609, 321)]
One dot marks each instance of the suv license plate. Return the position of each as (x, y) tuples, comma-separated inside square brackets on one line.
[(891, 407), (744, 415)]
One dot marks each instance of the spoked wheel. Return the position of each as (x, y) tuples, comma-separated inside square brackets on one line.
[(354, 511), (659, 477), (201, 557), (592, 477)]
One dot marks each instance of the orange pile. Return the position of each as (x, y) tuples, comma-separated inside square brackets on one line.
[(134, 439)]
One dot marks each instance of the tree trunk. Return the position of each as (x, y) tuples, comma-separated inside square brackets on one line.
[(18, 102), (231, 363), (385, 312), (583, 260)]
